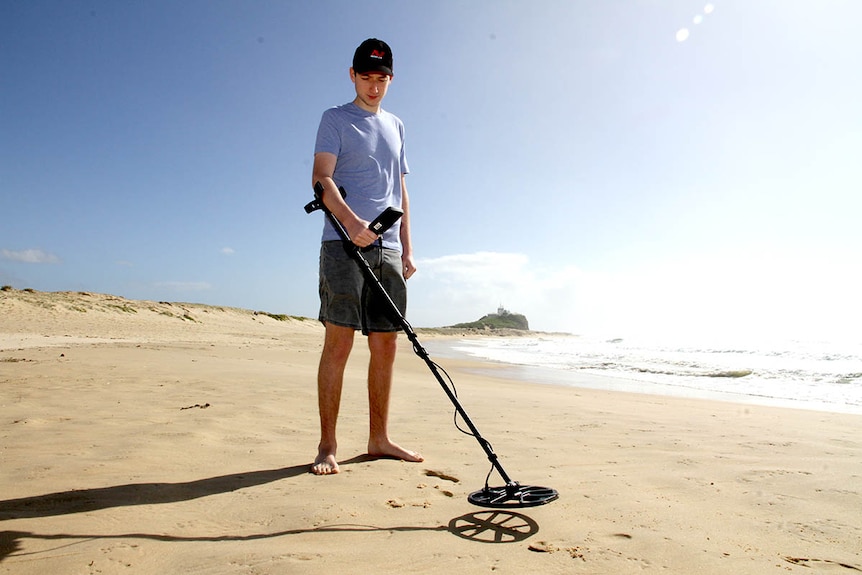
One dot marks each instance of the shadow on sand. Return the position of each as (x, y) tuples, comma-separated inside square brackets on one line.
[(480, 527), (484, 526), (94, 499), (83, 500)]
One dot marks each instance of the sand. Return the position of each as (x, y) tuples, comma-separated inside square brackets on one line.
[(156, 438)]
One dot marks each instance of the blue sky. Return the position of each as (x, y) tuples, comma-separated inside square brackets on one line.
[(630, 166)]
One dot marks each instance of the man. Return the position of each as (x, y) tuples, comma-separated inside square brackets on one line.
[(360, 146)]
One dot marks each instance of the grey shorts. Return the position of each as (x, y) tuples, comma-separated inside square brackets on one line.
[(348, 300)]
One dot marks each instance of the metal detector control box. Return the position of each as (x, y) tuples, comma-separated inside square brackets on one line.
[(385, 220)]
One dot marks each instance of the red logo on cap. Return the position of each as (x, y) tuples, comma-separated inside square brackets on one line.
[(378, 54)]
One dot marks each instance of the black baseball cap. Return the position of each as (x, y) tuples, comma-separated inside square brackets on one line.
[(373, 55)]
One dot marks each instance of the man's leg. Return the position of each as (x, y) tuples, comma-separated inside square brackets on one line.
[(337, 345), (383, 347)]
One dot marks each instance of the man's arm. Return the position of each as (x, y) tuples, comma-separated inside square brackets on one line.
[(409, 267), (357, 228)]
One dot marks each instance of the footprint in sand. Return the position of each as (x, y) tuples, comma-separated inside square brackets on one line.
[(441, 475), (445, 492), (543, 547)]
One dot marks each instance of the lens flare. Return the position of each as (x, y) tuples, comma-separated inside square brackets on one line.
[(683, 33)]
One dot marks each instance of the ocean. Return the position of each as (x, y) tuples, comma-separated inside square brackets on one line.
[(818, 375)]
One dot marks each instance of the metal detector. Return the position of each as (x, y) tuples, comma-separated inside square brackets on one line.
[(512, 494)]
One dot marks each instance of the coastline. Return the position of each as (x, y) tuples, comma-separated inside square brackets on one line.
[(743, 375), (142, 442)]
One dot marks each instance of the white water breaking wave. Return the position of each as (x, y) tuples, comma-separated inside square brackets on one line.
[(816, 375)]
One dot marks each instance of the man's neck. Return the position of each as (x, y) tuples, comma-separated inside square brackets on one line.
[(359, 103)]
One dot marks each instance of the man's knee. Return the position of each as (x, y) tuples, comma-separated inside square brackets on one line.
[(338, 342), (383, 344)]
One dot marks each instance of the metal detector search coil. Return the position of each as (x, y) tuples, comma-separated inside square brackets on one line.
[(512, 494)]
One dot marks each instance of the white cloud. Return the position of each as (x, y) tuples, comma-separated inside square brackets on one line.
[(731, 295), (228, 251), (464, 287), (479, 271), (31, 256)]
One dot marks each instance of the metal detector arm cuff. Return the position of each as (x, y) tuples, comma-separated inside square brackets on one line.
[(317, 203)]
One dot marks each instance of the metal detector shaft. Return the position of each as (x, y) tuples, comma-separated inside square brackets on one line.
[(354, 251)]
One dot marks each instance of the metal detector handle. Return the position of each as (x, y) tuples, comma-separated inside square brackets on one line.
[(381, 223)]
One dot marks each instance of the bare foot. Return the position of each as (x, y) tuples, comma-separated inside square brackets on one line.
[(325, 464), (390, 449)]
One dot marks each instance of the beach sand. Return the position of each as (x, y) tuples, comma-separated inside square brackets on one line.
[(157, 438)]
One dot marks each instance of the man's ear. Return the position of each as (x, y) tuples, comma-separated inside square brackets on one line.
[(352, 75)]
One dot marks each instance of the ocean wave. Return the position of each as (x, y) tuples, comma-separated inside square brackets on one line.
[(729, 373), (816, 373)]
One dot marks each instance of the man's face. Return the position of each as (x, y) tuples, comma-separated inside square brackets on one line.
[(371, 87)]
